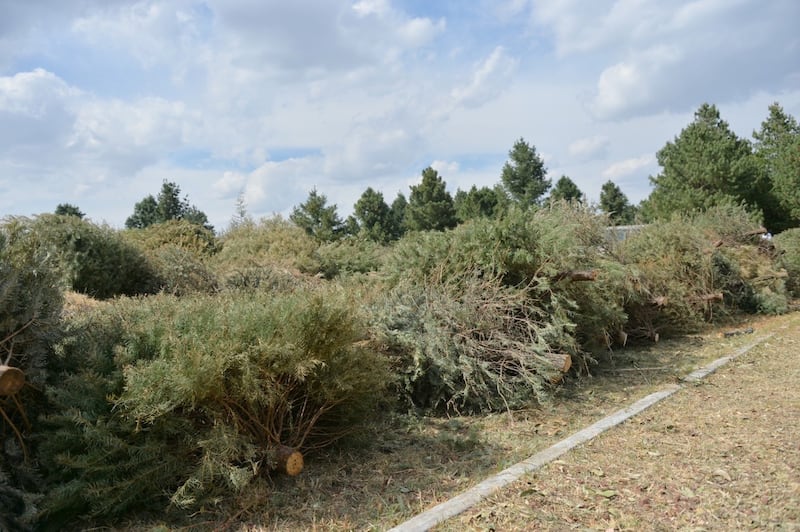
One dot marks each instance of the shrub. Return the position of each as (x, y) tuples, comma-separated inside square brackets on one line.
[(272, 243), (472, 345), (30, 304), (530, 254), (681, 266), (185, 400), (788, 244), (182, 234), (349, 256), (92, 259)]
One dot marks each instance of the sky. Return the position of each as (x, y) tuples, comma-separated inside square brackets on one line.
[(101, 101)]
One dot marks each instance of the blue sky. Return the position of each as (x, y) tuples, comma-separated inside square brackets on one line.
[(100, 101)]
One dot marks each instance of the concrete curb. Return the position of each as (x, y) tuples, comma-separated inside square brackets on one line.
[(450, 508)]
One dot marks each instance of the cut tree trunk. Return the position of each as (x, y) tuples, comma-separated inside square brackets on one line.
[(288, 460), (562, 362), (11, 380), (577, 275)]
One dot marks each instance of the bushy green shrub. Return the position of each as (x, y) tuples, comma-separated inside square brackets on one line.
[(349, 256), (470, 345), (89, 258), (182, 234), (788, 244), (536, 255), (30, 305), (272, 243), (680, 268), (184, 400)]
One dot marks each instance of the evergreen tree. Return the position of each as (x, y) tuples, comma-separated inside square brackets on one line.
[(67, 209), (397, 216), (524, 175), (565, 189), (777, 149), (477, 203), (168, 206), (615, 203), (706, 165), (430, 206), (145, 214), (317, 218), (374, 216)]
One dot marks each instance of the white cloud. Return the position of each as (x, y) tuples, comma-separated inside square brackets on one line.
[(445, 167), (589, 148), (490, 77), (627, 167), (420, 31), (371, 7)]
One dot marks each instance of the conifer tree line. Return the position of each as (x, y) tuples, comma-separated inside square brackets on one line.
[(706, 165)]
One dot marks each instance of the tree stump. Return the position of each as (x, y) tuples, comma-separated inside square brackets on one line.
[(288, 460), (11, 380)]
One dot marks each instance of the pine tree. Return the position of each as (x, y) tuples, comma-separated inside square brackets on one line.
[(706, 165), (777, 149), (615, 203), (317, 218), (524, 175), (565, 189), (476, 203), (374, 216), (430, 206)]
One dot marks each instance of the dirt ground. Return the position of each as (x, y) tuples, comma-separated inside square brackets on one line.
[(722, 454)]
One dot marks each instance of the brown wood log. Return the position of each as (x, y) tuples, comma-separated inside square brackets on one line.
[(562, 362), (288, 460), (11, 380), (577, 275)]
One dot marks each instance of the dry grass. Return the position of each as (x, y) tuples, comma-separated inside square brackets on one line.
[(666, 467), (721, 455)]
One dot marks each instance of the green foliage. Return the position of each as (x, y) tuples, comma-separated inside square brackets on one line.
[(317, 218), (470, 344), (168, 206), (707, 164), (397, 215), (375, 216), (67, 209), (565, 189), (451, 317), (679, 264), (524, 175), (430, 206), (164, 400), (477, 203), (272, 243), (615, 204), (788, 244), (777, 149), (182, 234), (30, 305), (348, 256), (91, 259)]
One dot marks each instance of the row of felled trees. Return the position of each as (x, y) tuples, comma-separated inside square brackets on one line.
[(707, 164)]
